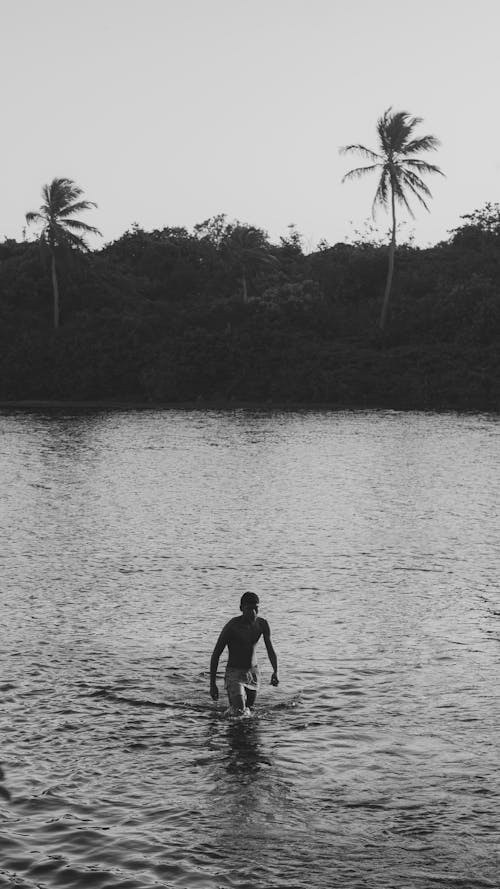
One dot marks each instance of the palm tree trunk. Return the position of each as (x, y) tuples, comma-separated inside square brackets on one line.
[(55, 290), (392, 251)]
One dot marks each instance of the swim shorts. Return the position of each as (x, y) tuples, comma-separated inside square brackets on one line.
[(237, 680)]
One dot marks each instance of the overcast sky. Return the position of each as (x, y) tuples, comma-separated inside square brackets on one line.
[(167, 112)]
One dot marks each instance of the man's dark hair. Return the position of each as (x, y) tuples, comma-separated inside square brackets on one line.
[(249, 599)]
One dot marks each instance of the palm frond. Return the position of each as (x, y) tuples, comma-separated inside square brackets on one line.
[(78, 207), (382, 192), (416, 186), (394, 130), (421, 165), (80, 226), (424, 143), (412, 177), (362, 150), (401, 171), (70, 239), (400, 195), (46, 196), (59, 194), (62, 200), (34, 216), (65, 187), (358, 172)]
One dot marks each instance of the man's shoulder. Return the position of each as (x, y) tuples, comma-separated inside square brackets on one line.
[(231, 624), (236, 622)]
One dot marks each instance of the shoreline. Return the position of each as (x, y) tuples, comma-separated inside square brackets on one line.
[(221, 405)]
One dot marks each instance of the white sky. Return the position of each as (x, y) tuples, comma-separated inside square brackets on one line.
[(167, 112)]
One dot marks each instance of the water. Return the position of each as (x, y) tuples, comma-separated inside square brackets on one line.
[(373, 542)]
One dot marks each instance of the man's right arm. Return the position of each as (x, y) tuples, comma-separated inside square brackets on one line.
[(214, 663), (266, 631)]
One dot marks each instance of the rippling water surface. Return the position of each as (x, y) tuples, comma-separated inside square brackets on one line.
[(373, 540)]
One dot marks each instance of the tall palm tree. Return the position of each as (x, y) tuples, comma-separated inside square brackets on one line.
[(400, 173), (61, 200)]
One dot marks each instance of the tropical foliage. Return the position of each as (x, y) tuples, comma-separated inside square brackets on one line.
[(157, 316), (400, 173), (60, 229), (220, 314)]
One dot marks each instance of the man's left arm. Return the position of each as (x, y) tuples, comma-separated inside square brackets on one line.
[(266, 632)]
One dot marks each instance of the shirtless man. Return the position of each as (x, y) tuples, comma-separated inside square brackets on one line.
[(241, 635)]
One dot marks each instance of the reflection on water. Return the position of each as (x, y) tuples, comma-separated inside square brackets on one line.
[(373, 542), (245, 758)]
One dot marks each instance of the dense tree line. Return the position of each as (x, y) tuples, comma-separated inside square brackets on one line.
[(221, 314)]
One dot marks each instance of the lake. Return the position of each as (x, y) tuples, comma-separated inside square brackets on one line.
[(373, 541)]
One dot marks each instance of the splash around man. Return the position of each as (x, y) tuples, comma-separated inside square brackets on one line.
[(241, 635)]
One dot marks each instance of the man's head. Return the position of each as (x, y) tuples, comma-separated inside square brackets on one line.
[(249, 606)]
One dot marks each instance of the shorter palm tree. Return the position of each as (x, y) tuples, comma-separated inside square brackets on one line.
[(400, 173), (60, 230)]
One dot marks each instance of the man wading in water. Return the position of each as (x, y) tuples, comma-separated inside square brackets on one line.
[(241, 635)]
